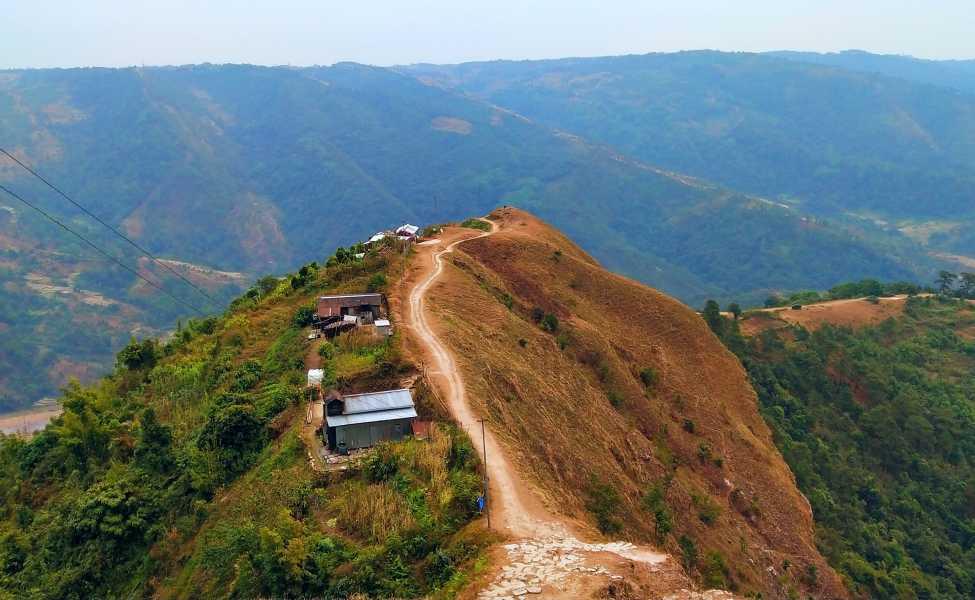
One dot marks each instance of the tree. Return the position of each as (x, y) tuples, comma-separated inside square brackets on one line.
[(712, 316), (945, 281), (303, 316), (138, 355), (967, 287), (735, 310), (153, 450)]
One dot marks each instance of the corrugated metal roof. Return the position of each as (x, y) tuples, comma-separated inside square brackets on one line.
[(371, 417), (367, 298), (377, 401), (382, 323), (408, 229)]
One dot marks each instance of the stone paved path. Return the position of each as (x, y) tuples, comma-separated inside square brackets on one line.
[(537, 564)]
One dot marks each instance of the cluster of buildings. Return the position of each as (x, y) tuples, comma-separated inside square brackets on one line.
[(405, 232), (351, 422)]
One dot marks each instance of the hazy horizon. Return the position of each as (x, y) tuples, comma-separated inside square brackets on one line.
[(102, 33)]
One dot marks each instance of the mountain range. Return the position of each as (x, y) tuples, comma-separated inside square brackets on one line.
[(704, 174)]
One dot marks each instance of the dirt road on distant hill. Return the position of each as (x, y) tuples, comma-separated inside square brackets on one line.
[(548, 560)]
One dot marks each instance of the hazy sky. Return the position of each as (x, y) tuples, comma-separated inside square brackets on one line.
[(302, 32)]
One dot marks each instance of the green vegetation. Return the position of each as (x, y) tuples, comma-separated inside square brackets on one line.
[(183, 474), (243, 185), (604, 504), (878, 425), (476, 224), (856, 289), (655, 502)]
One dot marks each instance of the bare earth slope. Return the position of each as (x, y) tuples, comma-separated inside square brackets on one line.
[(569, 409)]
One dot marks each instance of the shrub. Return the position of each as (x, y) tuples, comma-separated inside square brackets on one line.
[(476, 224), (604, 503), (649, 377), (688, 552), (138, 355), (381, 464), (562, 340), (303, 316), (376, 283), (688, 426), (326, 350), (550, 323), (708, 509), (654, 502), (714, 571)]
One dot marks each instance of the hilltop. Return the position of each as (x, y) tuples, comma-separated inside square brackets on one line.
[(628, 433), (622, 413)]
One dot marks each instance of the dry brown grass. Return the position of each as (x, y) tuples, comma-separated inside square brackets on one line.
[(371, 511), (550, 406)]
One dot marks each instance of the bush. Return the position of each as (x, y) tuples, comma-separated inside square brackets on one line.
[(707, 509), (303, 316), (550, 323), (138, 355), (381, 464), (714, 571), (376, 283), (476, 224), (604, 503), (649, 377), (615, 398), (688, 552)]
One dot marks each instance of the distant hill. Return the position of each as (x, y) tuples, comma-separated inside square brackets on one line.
[(956, 74), (255, 170), (829, 139)]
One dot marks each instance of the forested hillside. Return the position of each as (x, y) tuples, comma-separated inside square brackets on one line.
[(184, 473), (245, 170), (829, 139), (878, 425), (954, 74)]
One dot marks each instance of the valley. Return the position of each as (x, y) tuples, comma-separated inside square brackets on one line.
[(674, 326), (217, 178)]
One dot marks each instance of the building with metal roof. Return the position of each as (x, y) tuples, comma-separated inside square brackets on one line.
[(367, 306), (363, 420)]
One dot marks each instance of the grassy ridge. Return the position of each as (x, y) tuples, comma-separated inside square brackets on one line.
[(183, 472)]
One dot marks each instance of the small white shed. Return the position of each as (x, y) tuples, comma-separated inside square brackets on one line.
[(383, 327)]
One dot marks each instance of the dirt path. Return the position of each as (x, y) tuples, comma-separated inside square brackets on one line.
[(509, 512), (548, 558), (314, 413)]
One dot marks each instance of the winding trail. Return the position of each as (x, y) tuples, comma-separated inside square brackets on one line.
[(547, 558), (510, 513)]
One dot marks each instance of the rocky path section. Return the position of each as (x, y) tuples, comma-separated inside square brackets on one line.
[(535, 565)]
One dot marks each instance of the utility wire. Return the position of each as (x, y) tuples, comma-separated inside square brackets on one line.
[(114, 230), (97, 248)]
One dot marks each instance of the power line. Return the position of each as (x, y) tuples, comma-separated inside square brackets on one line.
[(98, 249), (112, 229)]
